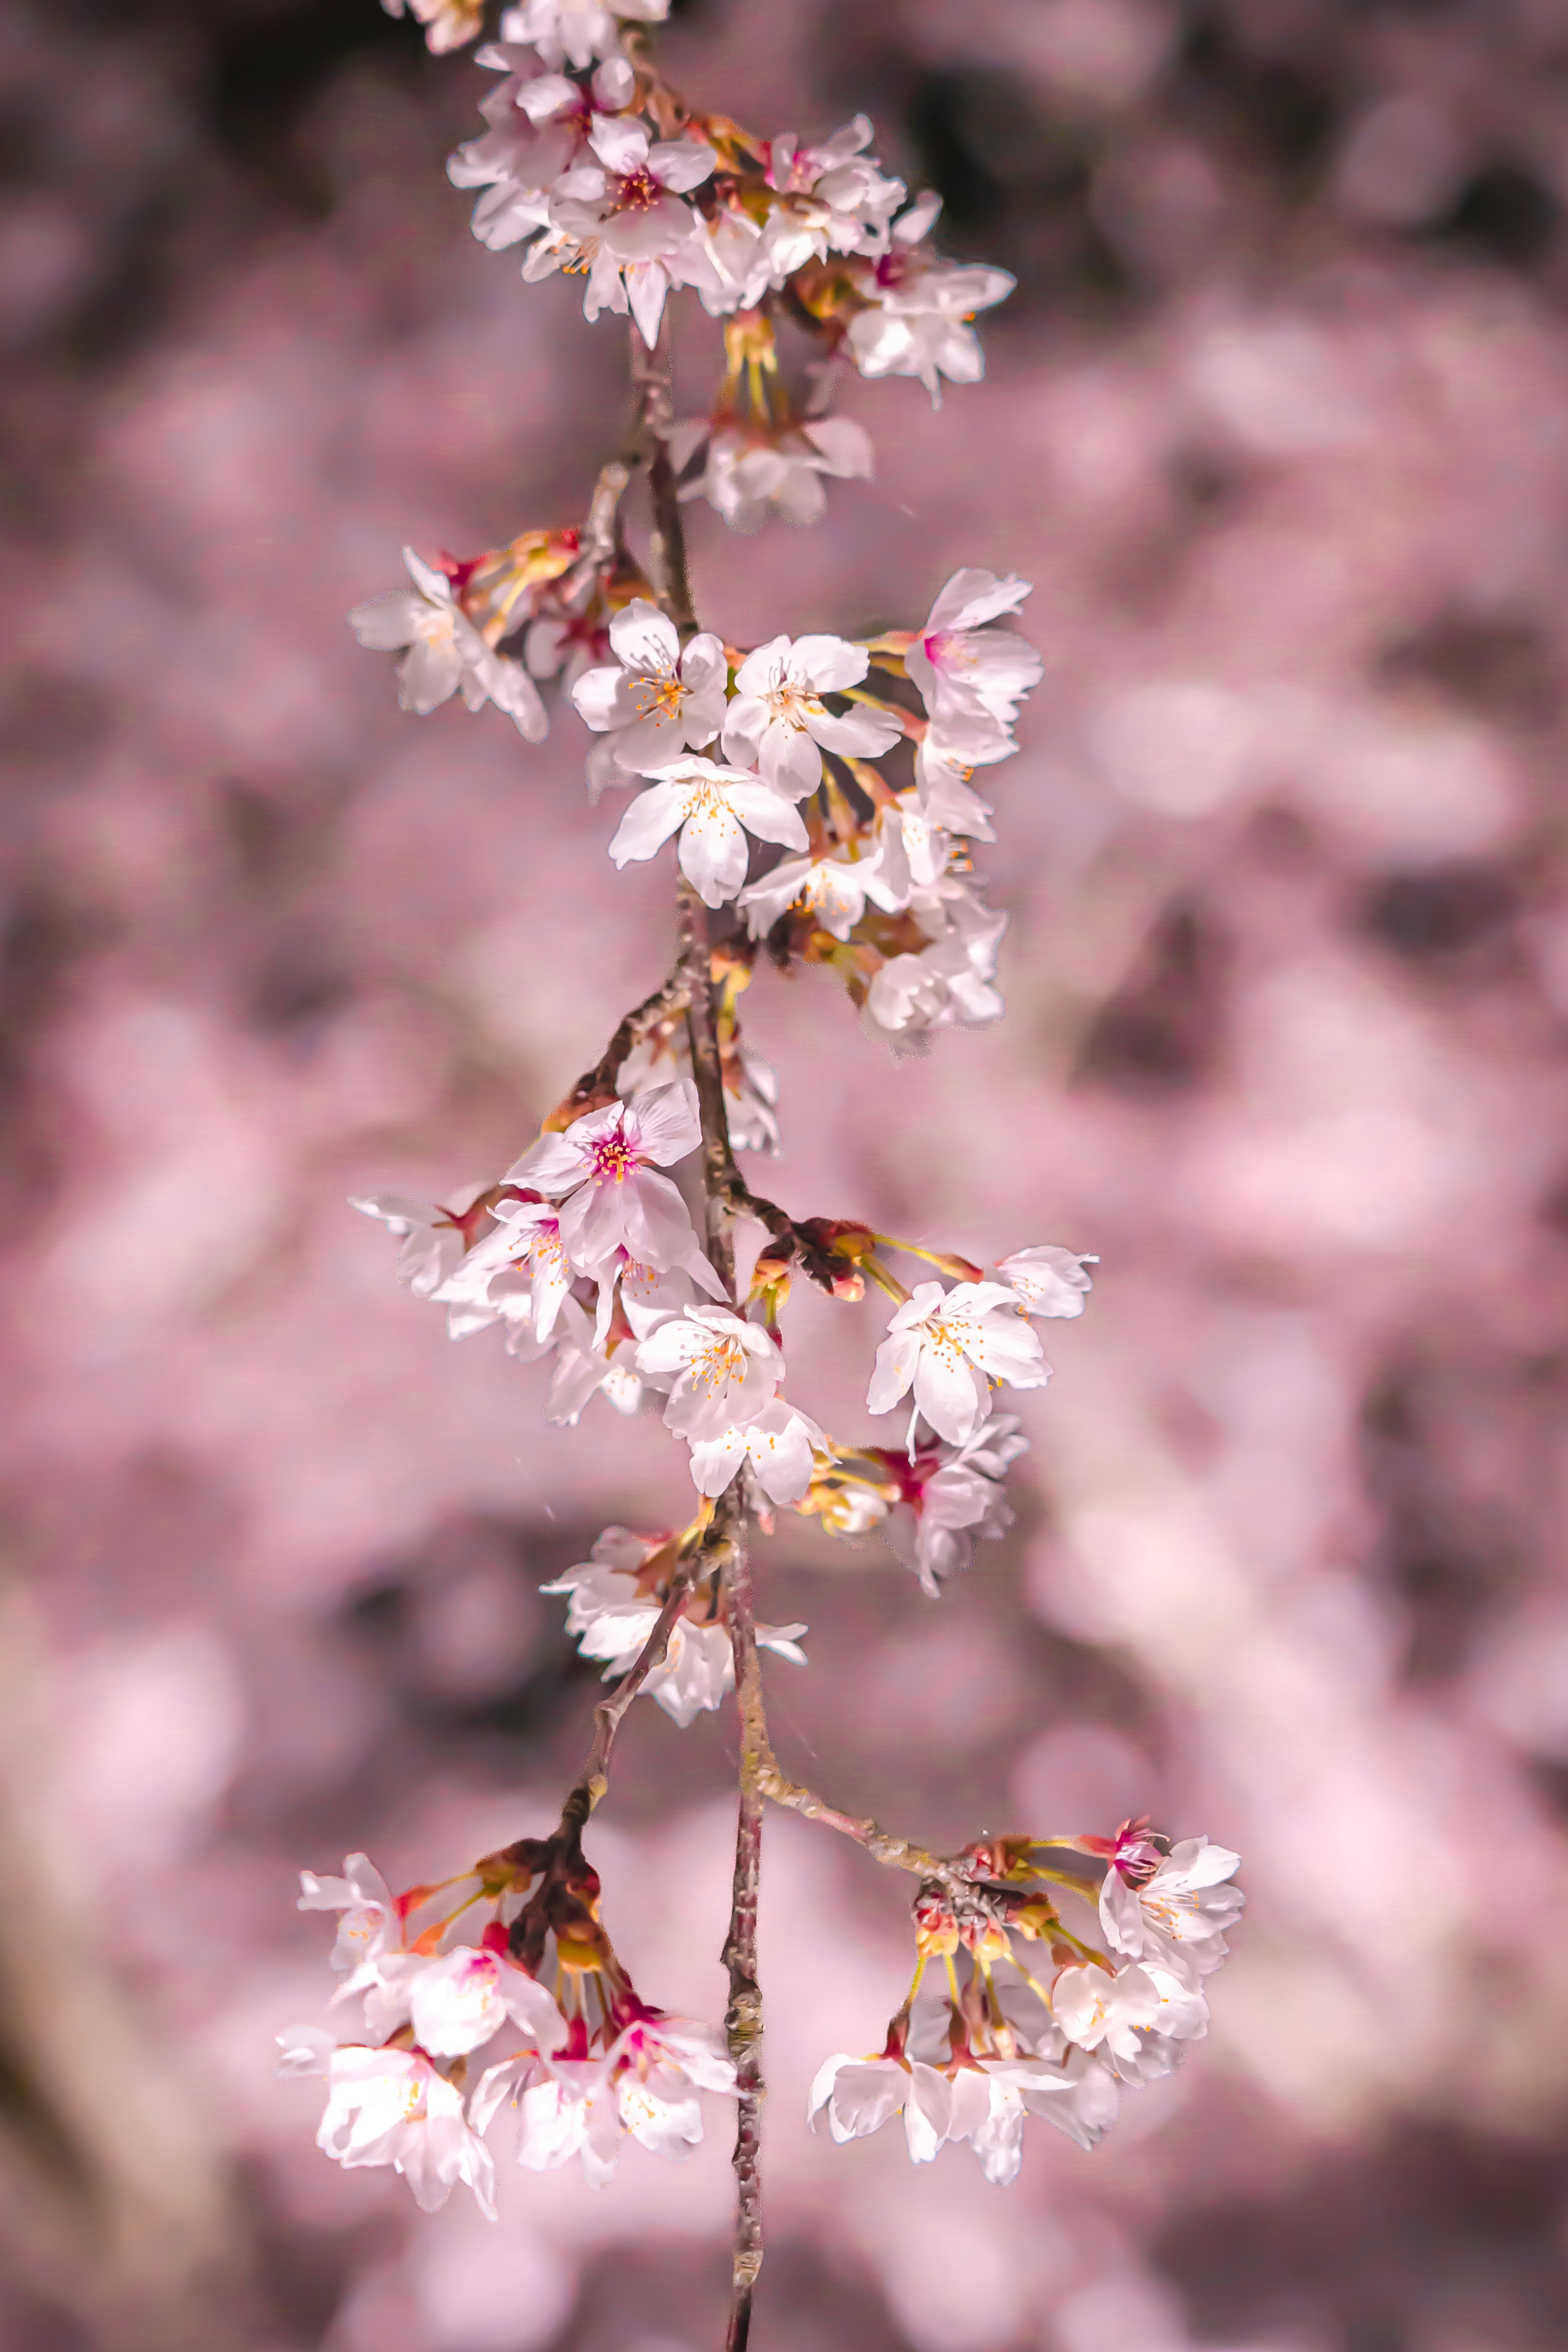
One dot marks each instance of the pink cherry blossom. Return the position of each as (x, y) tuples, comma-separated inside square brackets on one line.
[(601, 1170)]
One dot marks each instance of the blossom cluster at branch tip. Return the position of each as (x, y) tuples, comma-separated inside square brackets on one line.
[(513, 1948), (992, 2034), (595, 165)]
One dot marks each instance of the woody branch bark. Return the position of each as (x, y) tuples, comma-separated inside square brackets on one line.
[(743, 2017)]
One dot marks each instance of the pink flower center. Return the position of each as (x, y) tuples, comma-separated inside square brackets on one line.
[(611, 1160), (637, 190)]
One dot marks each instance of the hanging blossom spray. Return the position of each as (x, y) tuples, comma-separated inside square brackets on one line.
[(585, 1253)]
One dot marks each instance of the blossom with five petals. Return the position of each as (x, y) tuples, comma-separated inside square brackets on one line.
[(365, 1900), (831, 883), (916, 314), (392, 2106), (780, 1444), (778, 720), (833, 198), (643, 2087), (627, 210), (601, 1170), (461, 2001), (948, 1496), (861, 2095), (948, 1346), (659, 699), (712, 808), (539, 127), (444, 651), (971, 679), (1049, 1281), (754, 471), (1177, 1916), (726, 1370)]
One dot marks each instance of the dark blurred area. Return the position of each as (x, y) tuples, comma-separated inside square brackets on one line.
[(1277, 420)]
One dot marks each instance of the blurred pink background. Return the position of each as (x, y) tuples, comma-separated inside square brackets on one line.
[(1279, 423)]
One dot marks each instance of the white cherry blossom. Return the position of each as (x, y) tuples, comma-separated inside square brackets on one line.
[(912, 853), (834, 198), (942, 786), (726, 1370), (1079, 2096), (713, 809), (645, 2087), (461, 2001), (916, 319), (972, 678), (539, 128), (778, 720), (369, 1921), (753, 471), (575, 32), (587, 1367), (1093, 2007), (1051, 1282), (779, 1442), (831, 882), (392, 2106), (861, 2095), (657, 701), (907, 994), (444, 651), (992, 2099), (612, 1616), (602, 1170), (624, 211), (1176, 1918), (950, 980), (525, 1240), (951, 1496), (435, 1238), (948, 1346)]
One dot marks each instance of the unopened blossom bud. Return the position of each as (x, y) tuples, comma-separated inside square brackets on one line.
[(847, 1247), (771, 1279), (1036, 1918), (936, 1925)]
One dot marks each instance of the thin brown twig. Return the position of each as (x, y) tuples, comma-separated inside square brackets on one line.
[(597, 1086), (896, 1853)]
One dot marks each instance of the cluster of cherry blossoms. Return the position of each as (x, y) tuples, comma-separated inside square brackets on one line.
[(513, 1948), (779, 746), (585, 1253), (999, 2040), (594, 164)]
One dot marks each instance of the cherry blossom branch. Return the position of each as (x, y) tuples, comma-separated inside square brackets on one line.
[(896, 1853), (743, 2016), (651, 380), (597, 1086)]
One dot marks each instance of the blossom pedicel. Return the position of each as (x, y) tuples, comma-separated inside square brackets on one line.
[(820, 794)]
